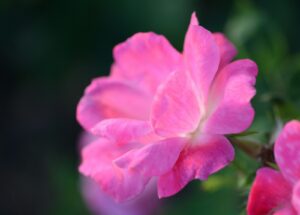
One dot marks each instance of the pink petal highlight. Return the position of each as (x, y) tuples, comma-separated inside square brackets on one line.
[(201, 56), (154, 159), (296, 197), (230, 108), (145, 59), (286, 210), (176, 109), (122, 130), (121, 184), (226, 48), (287, 151), (106, 98), (270, 191), (207, 155)]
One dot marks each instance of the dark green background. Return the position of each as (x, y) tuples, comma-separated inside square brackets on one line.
[(51, 49)]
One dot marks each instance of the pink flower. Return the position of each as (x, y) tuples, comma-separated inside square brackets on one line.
[(99, 202), (278, 192), (166, 113)]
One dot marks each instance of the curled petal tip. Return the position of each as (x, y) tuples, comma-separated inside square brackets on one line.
[(194, 19)]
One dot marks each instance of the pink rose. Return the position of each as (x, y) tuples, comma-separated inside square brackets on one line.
[(165, 114), (278, 192)]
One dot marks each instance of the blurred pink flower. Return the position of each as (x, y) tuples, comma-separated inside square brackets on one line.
[(99, 203), (164, 114), (278, 192)]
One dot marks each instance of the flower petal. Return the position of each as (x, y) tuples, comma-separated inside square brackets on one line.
[(122, 130), (269, 192), (107, 98), (226, 48), (145, 59), (206, 156), (194, 19), (230, 110), (285, 210), (120, 184), (201, 56), (100, 203), (176, 109), (296, 197), (153, 159), (287, 151)]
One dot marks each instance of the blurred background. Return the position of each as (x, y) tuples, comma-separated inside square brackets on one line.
[(50, 51)]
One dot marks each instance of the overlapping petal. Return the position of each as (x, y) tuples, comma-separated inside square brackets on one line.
[(296, 197), (201, 56), (269, 192), (109, 98), (145, 59), (201, 158), (97, 163), (287, 151), (154, 159), (229, 107), (122, 130), (226, 49), (176, 106)]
